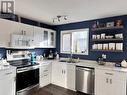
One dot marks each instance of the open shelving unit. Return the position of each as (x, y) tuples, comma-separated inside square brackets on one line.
[(107, 28), (106, 50), (105, 40), (103, 30)]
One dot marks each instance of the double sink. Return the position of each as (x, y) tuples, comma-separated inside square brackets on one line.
[(69, 60)]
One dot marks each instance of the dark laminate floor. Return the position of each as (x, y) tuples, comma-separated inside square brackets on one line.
[(55, 90)]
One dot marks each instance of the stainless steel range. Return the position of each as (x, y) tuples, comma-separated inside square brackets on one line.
[(27, 79)]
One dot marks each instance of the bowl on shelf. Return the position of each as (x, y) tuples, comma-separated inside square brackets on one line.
[(109, 37)]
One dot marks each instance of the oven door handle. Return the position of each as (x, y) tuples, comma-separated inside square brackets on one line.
[(26, 69)]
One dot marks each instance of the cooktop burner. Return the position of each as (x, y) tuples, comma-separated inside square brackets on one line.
[(24, 65), (21, 64)]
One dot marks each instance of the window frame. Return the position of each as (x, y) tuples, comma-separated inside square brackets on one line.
[(71, 33)]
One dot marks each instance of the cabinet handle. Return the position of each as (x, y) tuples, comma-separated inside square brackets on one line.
[(106, 80), (110, 81), (8, 73), (109, 73), (45, 75), (45, 70), (62, 71)]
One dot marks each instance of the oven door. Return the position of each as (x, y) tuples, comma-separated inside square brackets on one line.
[(27, 79)]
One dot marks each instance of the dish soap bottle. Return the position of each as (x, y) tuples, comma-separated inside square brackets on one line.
[(32, 58), (57, 56)]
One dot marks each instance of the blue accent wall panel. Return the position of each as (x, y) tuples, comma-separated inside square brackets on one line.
[(93, 55), (2, 53), (38, 51)]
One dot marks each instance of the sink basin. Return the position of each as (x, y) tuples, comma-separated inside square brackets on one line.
[(69, 60)]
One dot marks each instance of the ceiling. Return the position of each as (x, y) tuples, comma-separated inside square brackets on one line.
[(77, 10)]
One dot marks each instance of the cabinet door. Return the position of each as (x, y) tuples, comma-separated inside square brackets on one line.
[(63, 79), (5, 28), (45, 38), (28, 29), (45, 75), (38, 37), (117, 82), (101, 83), (15, 28), (108, 83), (51, 38), (7, 86), (58, 74), (70, 77)]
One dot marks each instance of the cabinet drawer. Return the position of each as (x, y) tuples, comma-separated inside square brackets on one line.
[(109, 73), (45, 70), (44, 81)]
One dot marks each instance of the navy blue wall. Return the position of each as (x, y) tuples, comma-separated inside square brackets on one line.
[(111, 56)]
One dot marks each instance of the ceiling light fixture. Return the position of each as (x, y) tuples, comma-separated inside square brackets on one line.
[(60, 18)]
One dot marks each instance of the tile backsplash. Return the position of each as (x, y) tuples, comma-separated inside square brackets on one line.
[(38, 51)]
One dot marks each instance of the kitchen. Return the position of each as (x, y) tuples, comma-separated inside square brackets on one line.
[(49, 49)]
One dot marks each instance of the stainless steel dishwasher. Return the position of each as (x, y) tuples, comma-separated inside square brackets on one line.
[(85, 80)]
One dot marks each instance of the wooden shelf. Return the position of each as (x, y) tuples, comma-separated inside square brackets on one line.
[(105, 40), (107, 28), (107, 50)]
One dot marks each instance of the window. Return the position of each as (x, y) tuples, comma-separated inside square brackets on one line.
[(75, 41)]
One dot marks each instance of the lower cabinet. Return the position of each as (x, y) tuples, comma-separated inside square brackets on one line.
[(70, 77), (8, 82), (45, 74), (63, 75), (109, 82), (59, 74)]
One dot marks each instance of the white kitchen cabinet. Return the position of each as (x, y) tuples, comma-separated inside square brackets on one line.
[(59, 74), (63, 75), (22, 35), (38, 37), (44, 38), (7, 82), (109, 82), (70, 78), (28, 29), (15, 28), (45, 74), (49, 38), (5, 31)]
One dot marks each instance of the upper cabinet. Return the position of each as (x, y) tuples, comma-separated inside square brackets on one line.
[(19, 35), (22, 35), (44, 38), (49, 38), (5, 31), (38, 36), (26, 29)]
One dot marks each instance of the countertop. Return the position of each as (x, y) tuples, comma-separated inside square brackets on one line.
[(90, 64), (4, 68)]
